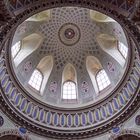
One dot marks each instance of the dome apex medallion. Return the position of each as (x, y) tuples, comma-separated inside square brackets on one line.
[(69, 34)]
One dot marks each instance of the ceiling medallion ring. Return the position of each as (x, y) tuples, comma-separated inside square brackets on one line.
[(69, 34)]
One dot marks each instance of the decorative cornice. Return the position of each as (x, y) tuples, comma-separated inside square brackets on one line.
[(124, 7), (4, 13)]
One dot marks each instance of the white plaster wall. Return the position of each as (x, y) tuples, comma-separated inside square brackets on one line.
[(130, 124), (8, 124)]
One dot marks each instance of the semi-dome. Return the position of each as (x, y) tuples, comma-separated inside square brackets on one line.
[(70, 56)]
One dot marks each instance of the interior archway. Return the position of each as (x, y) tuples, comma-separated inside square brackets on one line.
[(93, 67), (110, 45), (69, 73), (99, 17), (28, 45), (45, 66), (42, 16), (69, 83)]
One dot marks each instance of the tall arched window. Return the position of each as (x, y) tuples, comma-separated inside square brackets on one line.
[(69, 90), (16, 48), (123, 49), (102, 80), (36, 79)]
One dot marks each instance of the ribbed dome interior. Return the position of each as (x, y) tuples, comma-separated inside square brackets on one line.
[(69, 56)]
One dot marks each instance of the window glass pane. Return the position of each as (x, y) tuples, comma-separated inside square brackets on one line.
[(123, 49), (16, 49), (102, 80), (69, 90), (36, 79)]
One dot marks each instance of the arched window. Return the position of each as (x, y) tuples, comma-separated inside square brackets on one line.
[(69, 90), (15, 49), (123, 49), (102, 80), (36, 79)]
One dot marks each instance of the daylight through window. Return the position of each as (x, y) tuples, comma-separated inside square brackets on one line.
[(69, 90), (36, 79), (102, 80), (123, 49), (16, 49)]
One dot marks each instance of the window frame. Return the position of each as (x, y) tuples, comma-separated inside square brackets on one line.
[(97, 80), (118, 47), (75, 90), (18, 50), (40, 83)]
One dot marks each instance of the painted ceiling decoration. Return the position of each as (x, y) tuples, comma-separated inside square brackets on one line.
[(70, 69), (69, 44)]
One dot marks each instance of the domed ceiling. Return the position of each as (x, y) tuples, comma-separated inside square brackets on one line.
[(72, 72), (69, 57)]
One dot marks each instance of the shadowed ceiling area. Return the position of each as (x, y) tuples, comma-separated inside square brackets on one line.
[(11, 137), (128, 137)]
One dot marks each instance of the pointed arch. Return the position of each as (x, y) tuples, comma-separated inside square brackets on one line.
[(69, 73), (69, 83), (42, 16), (110, 45), (28, 45), (93, 65), (45, 66), (99, 17)]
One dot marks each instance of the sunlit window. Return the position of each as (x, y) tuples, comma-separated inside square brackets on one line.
[(123, 49), (16, 49), (69, 90), (102, 80), (36, 79)]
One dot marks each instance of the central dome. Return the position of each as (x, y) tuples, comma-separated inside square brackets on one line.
[(69, 34), (69, 57)]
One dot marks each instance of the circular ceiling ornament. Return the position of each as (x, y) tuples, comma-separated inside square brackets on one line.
[(22, 131), (61, 123), (69, 34), (116, 130)]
